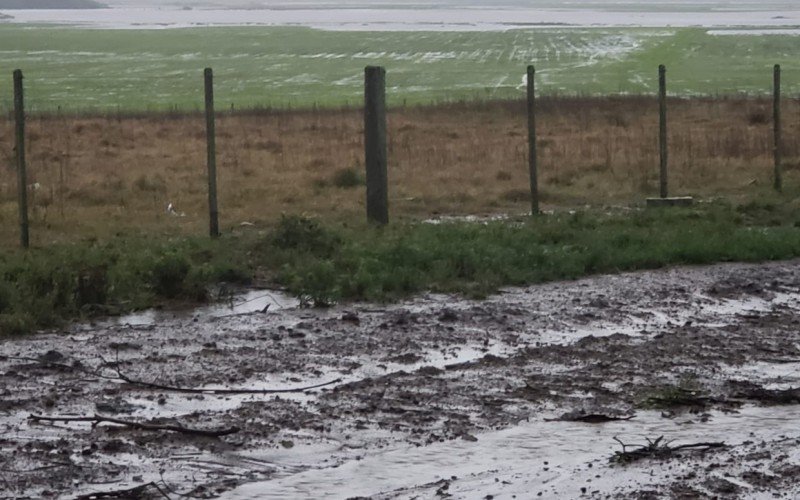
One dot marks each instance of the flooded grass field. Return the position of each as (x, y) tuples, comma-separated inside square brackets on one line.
[(89, 69)]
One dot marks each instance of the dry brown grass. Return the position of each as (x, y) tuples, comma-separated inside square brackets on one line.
[(100, 175)]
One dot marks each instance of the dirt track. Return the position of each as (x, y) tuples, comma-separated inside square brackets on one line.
[(438, 396)]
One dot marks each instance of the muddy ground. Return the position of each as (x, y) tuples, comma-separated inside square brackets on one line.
[(528, 394)]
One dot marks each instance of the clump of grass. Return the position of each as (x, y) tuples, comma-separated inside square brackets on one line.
[(304, 235), (46, 288), (348, 178), (687, 392), (147, 183), (475, 259), (323, 264)]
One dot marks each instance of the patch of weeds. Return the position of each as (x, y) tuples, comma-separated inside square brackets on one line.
[(348, 178), (759, 117), (303, 234), (92, 286), (154, 184), (15, 324), (516, 195), (48, 287), (317, 285), (685, 394), (169, 274), (503, 176)]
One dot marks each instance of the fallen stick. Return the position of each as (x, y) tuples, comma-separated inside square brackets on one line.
[(135, 492), (168, 388), (96, 419), (657, 448), (190, 390), (51, 364)]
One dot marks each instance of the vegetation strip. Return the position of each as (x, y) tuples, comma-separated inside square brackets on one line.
[(323, 264)]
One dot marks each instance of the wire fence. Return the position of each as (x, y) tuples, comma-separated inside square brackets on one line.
[(98, 172)]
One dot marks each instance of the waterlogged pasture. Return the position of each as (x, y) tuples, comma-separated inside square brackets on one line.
[(81, 69)]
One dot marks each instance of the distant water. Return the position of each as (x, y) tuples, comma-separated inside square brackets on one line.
[(407, 19)]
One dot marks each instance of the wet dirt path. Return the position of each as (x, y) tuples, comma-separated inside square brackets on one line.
[(435, 396)]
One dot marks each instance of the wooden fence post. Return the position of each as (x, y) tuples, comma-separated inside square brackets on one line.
[(375, 144), (532, 153), (776, 124), (22, 179), (662, 133), (211, 154)]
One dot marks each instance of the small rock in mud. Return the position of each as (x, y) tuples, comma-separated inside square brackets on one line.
[(114, 446), (592, 416), (408, 358), (350, 317), (124, 346), (448, 315), (116, 406), (755, 392), (721, 485), (431, 371), (52, 356)]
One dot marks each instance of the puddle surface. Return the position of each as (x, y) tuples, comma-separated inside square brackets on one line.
[(548, 457), (245, 303)]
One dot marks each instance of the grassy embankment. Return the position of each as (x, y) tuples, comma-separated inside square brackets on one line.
[(103, 243), (326, 263)]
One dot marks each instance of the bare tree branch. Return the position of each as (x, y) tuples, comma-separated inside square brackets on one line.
[(190, 390), (135, 492), (96, 419)]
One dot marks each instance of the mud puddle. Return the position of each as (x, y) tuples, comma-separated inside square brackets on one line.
[(419, 392), (237, 304), (554, 459)]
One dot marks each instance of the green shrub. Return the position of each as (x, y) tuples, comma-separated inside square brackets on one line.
[(14, 324), (169, 275), (306, 235), (348, 178)]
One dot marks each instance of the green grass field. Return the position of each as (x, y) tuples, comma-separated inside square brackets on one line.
[(88, 69)]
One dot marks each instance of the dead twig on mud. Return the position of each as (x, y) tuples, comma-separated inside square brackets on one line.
[(79, 367), (97, 419), (135, 492), (755, 392), (657, 448), (41, 362), (53, 465), (190, 390), (589, 417)]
